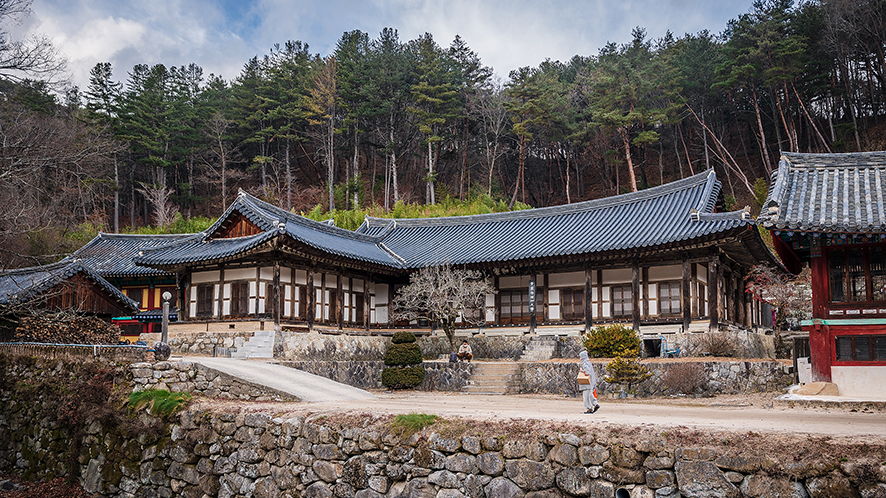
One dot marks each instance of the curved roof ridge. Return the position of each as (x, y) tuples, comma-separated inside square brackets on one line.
[(706, 177), (826, 160), (288, 217)]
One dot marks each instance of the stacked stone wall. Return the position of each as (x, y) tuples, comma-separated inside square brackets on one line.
[(184, 376)]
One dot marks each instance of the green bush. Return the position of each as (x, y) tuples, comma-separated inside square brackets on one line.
[(407, 425), (162, 403), (403, 377), (401, 355), (611, 341), (403, 337)]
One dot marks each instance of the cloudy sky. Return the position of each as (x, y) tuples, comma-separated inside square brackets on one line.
[(222, 35)]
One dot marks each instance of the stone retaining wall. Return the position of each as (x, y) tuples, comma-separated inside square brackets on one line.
[(254, 455), (723, 377), (74, 351), (184, 376)]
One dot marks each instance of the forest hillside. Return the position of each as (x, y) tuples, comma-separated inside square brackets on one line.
[(382, 122)]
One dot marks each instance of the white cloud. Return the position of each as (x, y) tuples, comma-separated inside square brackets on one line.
[(222, 36)]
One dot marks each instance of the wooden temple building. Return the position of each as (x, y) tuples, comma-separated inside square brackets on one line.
[(829, 211), (663, 259)]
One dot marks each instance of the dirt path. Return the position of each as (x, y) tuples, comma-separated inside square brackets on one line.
[(741, 414)]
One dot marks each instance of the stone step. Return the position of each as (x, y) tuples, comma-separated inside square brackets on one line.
[(493, 378)]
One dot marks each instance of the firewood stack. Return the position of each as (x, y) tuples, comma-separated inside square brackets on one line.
[(78, 330)]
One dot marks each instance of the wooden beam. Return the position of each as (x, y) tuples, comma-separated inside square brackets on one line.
[(276, 296), (714, 293), (589, 315), (685, 301), (311, 297), (221, 292), (366, 303), (339, 301), (645, 287), (635, 298)]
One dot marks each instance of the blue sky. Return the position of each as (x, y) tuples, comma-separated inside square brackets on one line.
[(221, 36)]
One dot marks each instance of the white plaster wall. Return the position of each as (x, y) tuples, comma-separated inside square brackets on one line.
[(285, 275), (216, 290), (653, 298), (869, 382), (619, 276), (510, 283), (267, 273), (572, 279), (490, 307), (672, 272), (204, 276), (240, 274), (193, 301), (252, 299), (702, 273), (607, 308), (358, 284), (301, 277)]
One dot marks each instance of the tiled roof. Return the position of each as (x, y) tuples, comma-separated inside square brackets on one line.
[(21, 285), (275, 222), (647, 220), (641, 220), (827, 193), (111, 254)]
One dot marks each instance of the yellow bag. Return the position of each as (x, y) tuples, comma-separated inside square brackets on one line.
[(583, 378)]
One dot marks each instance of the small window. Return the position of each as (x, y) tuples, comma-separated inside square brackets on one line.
[(572, 304), (205, 298), (861, 348), (669, 298), (240, 298), (622, 304)]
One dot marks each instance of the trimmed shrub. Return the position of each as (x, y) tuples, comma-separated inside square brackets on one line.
[(403, 377), (403, 354), (403, 337), (403, 359), (626, 369), (611, 341)]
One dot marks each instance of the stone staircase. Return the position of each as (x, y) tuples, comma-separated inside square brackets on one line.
[(260, 345), (493, 378), (539, 348)]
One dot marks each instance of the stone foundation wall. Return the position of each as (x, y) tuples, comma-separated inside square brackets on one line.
[(254, 455), (184, 376), (723, 377)]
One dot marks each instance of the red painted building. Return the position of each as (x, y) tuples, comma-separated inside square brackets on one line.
[(827, 210)]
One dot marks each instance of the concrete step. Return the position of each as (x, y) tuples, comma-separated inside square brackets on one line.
[(493, 378), (260, 345)]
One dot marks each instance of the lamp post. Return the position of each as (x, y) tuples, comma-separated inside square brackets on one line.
[(165, 327)]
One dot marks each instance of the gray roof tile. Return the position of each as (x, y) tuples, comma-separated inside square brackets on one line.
[(111, 255), (21, 285), (827, 193)]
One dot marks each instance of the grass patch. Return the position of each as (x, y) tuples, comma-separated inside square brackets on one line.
[(407, 425), (161, 402)]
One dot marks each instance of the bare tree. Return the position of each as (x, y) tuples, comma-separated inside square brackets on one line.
[(158, 197), (35, 57), (790, 294), (494, 116), (443, 294)]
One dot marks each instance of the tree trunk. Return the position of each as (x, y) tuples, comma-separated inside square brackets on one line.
[(763, 149), (627, 145), (116, 196)]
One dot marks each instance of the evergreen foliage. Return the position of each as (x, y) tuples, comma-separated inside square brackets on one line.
[(159, 402), (610, 341), (626, 369), (403, 359)]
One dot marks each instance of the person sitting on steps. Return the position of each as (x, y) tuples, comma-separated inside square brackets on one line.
[(464, 352)]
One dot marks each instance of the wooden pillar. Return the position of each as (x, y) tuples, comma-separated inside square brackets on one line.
[(258, 290), (714, 293), (339, 301), (181, 289), (545, 299), (312, 295), (323, 303), (739, 300), (589, 315), (221, 292), (495, 282), (635, 297), (276, 296), (685, 301), (645, 287), (600, 294), (366, 303), (696, 295)]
